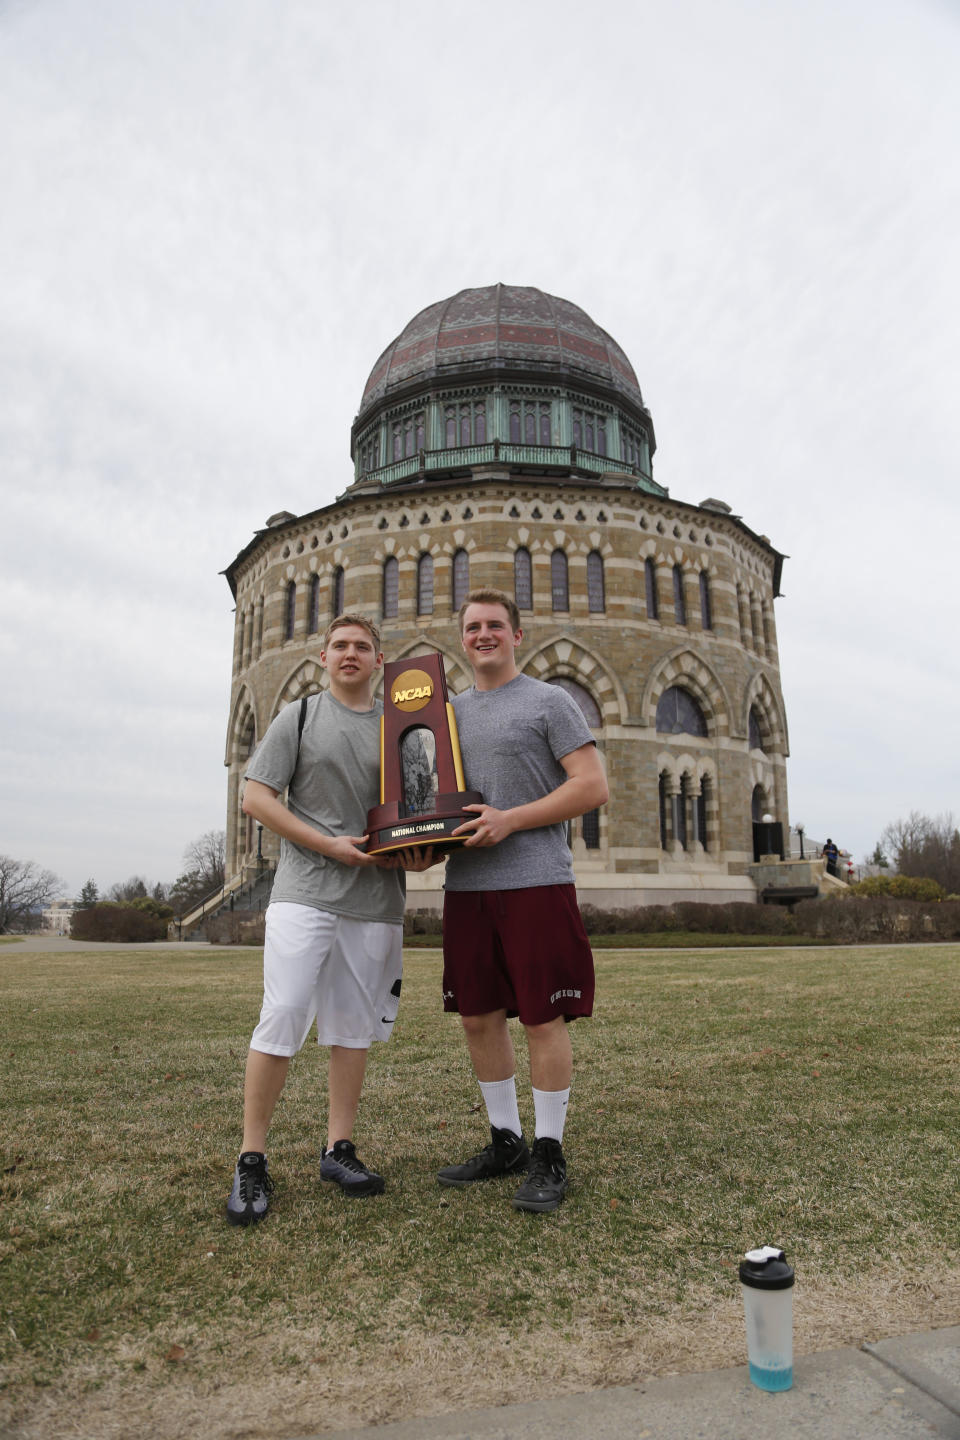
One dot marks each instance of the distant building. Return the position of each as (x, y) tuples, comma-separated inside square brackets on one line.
[(56, 917), (502, 439)]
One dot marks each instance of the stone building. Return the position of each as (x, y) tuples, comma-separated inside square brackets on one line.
[(502, 439)]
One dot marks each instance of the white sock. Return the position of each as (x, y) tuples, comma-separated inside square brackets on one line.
[(501, 1101), (550, 1107)]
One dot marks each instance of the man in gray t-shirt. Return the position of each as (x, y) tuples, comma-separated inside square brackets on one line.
[(332, 951), (514, 942)]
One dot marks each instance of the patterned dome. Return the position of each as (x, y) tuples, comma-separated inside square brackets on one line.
[(515, 327)]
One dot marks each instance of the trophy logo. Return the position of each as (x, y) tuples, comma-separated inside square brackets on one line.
[(422, 788), (411, 690)]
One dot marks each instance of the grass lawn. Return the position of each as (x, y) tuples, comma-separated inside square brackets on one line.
[(806, 1097)]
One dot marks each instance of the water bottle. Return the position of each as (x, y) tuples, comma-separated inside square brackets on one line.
[(767, 1285)]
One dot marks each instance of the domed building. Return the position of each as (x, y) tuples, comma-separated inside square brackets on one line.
[(502, 439)]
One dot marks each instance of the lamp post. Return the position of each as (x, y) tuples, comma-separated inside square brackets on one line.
[(259, 846), (799, 827)]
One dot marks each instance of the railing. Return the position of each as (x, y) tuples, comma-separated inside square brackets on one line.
[(209, 903), (509, 453), (229, 895)]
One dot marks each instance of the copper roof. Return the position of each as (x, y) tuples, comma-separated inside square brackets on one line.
[(505, 325)]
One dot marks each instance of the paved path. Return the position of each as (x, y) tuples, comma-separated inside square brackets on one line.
[(44, 944), (905, 1389)]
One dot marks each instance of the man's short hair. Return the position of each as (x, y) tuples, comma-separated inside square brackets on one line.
[(492, 597), (360, 620)]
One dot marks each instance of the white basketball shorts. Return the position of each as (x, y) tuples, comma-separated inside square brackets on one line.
[(341, 972)]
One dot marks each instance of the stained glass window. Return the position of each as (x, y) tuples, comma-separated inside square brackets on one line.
[(679, 601), (391, 586), (679, 714), (756, 734), (588, 707), (523, 579), (460, 575), (706, 611), (650, 579), (559, 583)]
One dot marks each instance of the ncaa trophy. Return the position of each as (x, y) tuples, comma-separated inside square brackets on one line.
[(422, 789)]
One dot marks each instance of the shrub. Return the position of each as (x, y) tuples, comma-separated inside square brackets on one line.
[(110, 920), (901, 887), (422, 922), (236, 927)]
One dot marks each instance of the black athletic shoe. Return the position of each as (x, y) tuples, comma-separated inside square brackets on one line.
[(546, 1184), (344, 1167), (250, 1197), (505, 1154)]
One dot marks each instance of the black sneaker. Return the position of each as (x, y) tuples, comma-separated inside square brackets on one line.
[(505, 1153), (344, 1167), (546, 1184), (250, 1197)]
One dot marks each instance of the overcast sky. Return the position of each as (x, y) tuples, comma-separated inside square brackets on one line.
[(214, 215)]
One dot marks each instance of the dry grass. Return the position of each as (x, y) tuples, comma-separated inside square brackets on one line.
[(721, 1099)]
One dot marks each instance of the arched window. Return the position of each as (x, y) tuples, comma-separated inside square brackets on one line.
[(589, 708), (450, 415), (596, 594), (706, 610), (515, 422), (758, 804), (523, 579), (336, 597), (460, 578), (425, 585), (650, 580), (290, 619), (679, 602), (591, 829), (559, 583), (754, 730), (313, 618), (680, 811), (391, 586), (706, 790), (679, 714), (664, 803)]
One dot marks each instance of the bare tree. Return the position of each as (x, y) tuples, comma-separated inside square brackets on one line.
[(206, 859), (925, 846), (24, 890), (126, 890)]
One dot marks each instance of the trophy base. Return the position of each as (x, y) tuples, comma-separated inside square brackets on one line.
[(389, 830)]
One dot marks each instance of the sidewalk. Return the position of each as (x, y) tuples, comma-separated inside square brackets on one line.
[(906, 1389)]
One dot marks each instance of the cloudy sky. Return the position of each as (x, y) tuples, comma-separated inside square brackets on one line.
[(214, 214)]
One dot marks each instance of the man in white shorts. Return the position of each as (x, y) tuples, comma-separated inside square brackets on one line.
[(334, 928)]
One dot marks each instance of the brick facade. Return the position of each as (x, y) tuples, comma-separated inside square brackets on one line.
[(622, 657)]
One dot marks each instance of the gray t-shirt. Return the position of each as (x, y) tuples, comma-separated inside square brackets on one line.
[(337, 781), (512, 740)]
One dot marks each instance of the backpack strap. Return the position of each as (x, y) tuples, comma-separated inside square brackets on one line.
[(301, 721)]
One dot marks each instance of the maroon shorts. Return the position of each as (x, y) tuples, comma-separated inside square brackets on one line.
[(523, 951)]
